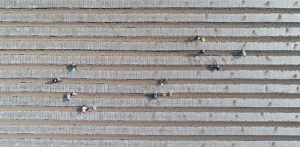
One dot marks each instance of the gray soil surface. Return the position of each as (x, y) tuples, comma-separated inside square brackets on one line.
[(151, 81)]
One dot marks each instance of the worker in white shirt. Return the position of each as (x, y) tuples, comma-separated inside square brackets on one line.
[(84, 108)]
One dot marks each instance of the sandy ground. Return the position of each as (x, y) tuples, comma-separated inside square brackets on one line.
[(137, 67)]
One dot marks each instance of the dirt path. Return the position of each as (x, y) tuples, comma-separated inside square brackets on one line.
[(158, 137), (155, 10), (154, 82), (131, 67), (204, 109), (141, 123), (146, 53), (179, 95)]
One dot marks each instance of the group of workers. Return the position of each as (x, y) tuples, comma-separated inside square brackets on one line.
[(217, 66), (162, 82), (69, 94)]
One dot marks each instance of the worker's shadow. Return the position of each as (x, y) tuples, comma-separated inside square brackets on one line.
[(198, 54), (210, 68), (149, 97), (190, 40), (193, 55), (79, 110), (236, 55), (49, 82), (69, 68), (65, 98)]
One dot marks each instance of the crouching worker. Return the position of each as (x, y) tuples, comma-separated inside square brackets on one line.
[(73, 66), (243, 53), (202, 52), (200, 38), (56, 80), (155, 96), (69, 95), (84, 109), (165, 81), (217, 67)]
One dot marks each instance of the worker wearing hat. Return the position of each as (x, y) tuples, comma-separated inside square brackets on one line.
[(218, 67), (68, 96), (73, 66), (56, 80), (165, 81), (84, 109), (243, 53), (200, 38)]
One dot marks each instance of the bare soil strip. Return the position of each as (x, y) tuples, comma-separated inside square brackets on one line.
[(147, 17), (149, 109), (161, 137), (113, 143), (141, 123), (153, 67), (142, 32), (148, 102), (155, 81), (130, 4), (146, 53), (137, 95), (156, 10), (182, 39), (151, 131), (158, 24)]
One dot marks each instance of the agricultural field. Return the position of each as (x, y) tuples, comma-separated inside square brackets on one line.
[(124, 48)]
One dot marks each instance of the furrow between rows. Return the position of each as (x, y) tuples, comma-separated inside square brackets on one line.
[(148, 60), (153, 137), (33, 122), (91, 17), (146, 89), (121, 4), (148, 103), (142, 143), (143, 32), (148, 74), (152, 116), (133, 130), (189, 45)]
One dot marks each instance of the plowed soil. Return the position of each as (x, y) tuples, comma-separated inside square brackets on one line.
[(151, 81)]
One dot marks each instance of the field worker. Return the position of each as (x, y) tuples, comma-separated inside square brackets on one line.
[(73, 66), (68, 96), (217, 67), (84, 109), (73, 94), (200, 38), (165, 81), (202, 52), (243, 53), (155, 96), (56, 80)]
